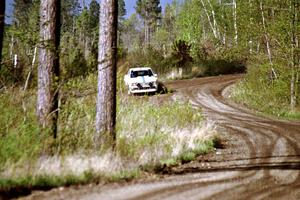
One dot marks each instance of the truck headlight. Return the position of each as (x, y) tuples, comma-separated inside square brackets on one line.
[(152, 84)]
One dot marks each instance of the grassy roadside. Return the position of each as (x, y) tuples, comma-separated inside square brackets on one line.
[(149, 136), (268, 96)]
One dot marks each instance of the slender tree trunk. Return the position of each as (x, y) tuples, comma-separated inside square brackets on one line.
[(106, 98), (251, 25), (214, 19), (209, 21), (235, 22), (297, 82), (294, 71), (203, 26), (267, 40), (11, 47), (31, 69), (48, 68), (15, 61), (149, 35), (258, 47), (2, 23), (146, 27)]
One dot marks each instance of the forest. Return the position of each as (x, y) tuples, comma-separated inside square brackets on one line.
[(186, 39)]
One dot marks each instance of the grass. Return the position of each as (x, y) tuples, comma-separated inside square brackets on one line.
[(147, 135), (260, 92), (21, 186)]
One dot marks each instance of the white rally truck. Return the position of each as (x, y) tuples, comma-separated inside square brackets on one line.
[(141, 80)]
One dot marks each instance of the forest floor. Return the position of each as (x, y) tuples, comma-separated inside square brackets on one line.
[(258, 157)]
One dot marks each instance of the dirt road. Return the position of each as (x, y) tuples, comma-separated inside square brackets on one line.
[(260, 158)]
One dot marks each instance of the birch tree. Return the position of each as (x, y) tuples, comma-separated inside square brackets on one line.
[(235, 22), (107, 57), (267, 39), (295, 58), (212, 23), (48, 68), (2, 22), (251, 25)]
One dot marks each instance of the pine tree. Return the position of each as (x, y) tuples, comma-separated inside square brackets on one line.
[(48, 68), (121, 10), (106, 98), (70, 9), (94, 13), (150, 11)]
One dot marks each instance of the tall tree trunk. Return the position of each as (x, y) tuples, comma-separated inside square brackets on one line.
[(149, 34), (48, 68), (294, 70), (11, 47), (251, 25), (235, 22), (31, 69), (267, 40), (106, 98), (2, 22), (214, 20), (209, 21), (203, 26)]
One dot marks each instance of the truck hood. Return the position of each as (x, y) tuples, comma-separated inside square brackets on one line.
[(143, 79)]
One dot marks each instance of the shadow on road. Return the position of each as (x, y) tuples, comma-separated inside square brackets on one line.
[(243, 167)]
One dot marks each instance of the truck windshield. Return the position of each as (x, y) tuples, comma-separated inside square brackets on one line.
[(135, 74)]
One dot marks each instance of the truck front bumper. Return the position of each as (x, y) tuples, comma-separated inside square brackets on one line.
[(143, 90)]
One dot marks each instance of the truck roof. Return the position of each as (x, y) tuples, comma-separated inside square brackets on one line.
[(139, 68)]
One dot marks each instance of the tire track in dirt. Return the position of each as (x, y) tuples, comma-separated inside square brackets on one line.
[(261, 135)]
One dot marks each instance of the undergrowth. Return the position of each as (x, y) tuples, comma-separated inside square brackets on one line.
[(260, 91), (147, 134)]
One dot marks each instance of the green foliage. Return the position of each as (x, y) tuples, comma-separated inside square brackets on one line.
[(146, 135), (187, 156), (70, 9), (141, 125), (150, 57), (94, 14), (20, 39), (259, 85), (74, 64), (149, 10), (126, 175), (188, 22), (20, 137), (130, 34), (24, 184), (121, 10), (202, 147)]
